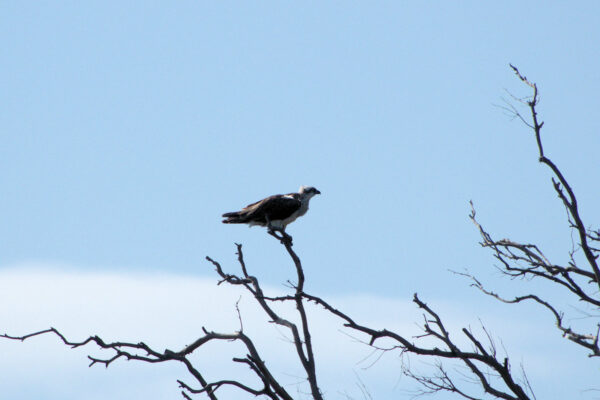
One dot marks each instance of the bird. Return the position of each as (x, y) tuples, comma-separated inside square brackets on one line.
[(274, 212)]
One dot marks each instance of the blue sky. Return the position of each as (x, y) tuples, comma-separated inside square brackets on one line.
[(127, 129)]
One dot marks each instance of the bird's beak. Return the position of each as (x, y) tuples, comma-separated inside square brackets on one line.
[(317, 192)]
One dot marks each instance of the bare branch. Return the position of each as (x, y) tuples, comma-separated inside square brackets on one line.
[(589, 341), (130, 351), (433, 326), (570, 200)]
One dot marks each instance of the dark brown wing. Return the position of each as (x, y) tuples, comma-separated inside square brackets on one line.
[(274, 208)]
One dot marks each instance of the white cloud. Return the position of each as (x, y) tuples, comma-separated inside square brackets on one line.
[(165, 311), (169, 311)]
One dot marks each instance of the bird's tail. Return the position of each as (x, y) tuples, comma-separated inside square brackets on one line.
[(233, 218)]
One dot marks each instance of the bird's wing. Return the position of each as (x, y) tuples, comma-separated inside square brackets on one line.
[(275, 207)]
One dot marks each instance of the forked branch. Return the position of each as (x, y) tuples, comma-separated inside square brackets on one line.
[(493, 373), (301, 336), (526, 260), (569, 199)]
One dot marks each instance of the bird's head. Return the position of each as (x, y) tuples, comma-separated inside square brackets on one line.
[(308, 191)]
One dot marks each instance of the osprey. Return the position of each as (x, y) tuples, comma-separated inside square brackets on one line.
[(275, 211)]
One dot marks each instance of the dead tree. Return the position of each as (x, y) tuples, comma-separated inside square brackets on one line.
[(492, 371)]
